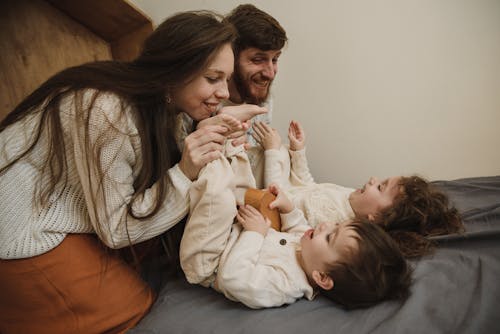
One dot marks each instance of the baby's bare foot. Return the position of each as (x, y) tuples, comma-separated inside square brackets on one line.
[(243, 112), (226, 120)]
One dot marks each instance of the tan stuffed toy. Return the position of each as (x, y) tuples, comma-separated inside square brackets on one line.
[(260, 200)]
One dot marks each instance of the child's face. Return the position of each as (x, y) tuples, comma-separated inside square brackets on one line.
[(325, 245), (375, 196)]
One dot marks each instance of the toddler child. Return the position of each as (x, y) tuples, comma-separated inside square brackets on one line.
[(355, 263), (409, 208)]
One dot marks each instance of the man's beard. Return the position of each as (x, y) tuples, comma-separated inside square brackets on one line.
[(244, 90)]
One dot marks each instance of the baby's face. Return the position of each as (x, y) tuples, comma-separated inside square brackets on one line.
[(375, 196), (326, 244)]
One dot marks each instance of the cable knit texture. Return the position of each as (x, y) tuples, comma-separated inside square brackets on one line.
[(320, 202), (88, 203)]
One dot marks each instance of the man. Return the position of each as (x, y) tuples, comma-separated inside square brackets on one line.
[(257, 50)]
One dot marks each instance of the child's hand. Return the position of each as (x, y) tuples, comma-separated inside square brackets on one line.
[(268, 137), (297, 136), (282, 202), (253, 220)]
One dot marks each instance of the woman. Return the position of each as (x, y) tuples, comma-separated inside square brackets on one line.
[(90, 160)]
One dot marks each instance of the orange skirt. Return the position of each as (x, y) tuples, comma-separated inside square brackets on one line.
[(78, 287)]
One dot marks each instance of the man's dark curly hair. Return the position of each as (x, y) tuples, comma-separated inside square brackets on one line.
[(256, 29)]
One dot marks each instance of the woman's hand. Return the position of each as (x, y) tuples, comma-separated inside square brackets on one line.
[(252, 220), (282, 202), (240, 137), (201, 147), (266, 136), (296, 136)]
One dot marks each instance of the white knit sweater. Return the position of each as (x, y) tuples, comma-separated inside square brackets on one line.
[(319, 202), (27, 230)]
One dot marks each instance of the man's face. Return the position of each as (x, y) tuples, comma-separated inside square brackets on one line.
[(254, 73)]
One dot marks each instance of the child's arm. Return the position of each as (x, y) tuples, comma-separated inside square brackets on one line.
[(292, 219), (276, 160), (300, 173), (243, 276)]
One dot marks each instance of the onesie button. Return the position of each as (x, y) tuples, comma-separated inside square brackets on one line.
[(283, 242)]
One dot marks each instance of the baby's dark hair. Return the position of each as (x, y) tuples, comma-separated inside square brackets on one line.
[(373, 272), (419, 211)]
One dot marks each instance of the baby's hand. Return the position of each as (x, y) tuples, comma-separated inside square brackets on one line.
[(253, 220), (282, 202), (266, 136), (297, 136)]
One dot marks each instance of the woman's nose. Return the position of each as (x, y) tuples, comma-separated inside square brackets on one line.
[(222, 92)]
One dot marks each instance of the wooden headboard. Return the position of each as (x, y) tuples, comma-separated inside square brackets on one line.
[(38, 38)]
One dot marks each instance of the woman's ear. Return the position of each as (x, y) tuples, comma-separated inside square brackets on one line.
[(371, 217), (323, 280)]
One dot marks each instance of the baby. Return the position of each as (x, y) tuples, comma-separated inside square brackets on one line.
[(409, 208), (356, 264)]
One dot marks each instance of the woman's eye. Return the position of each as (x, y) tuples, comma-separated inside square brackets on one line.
[(210, 79)]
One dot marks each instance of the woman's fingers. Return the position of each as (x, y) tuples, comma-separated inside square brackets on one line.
[(201, 155), (240, 140), (236, 134), (207, 134), (201, 147)]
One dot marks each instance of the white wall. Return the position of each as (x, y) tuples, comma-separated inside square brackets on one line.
[(385, 87)]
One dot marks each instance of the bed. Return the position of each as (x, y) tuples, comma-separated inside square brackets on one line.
[(455, 290)]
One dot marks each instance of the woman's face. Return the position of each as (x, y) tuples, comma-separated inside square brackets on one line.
[(201, 96)]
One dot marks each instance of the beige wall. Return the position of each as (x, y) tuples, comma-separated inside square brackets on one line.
[(385, 87)]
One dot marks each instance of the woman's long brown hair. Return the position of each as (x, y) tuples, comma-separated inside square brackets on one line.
[(178, 50)]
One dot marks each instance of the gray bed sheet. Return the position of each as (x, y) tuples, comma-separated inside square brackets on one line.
[(455, 290)]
